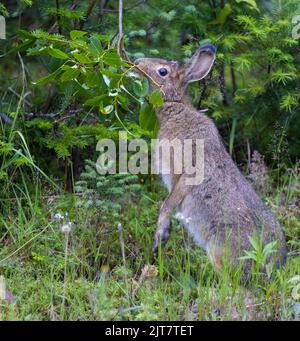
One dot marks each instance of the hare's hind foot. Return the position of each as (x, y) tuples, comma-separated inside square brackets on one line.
[(215, 255)]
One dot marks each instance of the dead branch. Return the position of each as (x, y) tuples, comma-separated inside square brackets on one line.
[(89, 10), (56, 117), (5, 118), (22, 98), (223, 85)]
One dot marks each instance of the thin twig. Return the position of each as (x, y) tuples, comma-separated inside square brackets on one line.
[(249, 155), (65, 273), (293, 253), (148, 76), (103, 10), (102, 4), (121, 238), (22, 98), (120, 39), (23, 71), (31, 115), (58, 18), (233, 79), (262, 303)]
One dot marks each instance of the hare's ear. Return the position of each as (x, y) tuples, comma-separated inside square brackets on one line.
[(200, 64)]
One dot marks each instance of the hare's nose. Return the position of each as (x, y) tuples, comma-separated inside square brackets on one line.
[(208, 48)]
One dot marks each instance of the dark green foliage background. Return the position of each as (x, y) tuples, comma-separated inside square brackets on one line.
[(252, 93)]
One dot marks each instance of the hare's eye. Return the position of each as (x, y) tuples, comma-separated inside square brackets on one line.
[(163, 71)]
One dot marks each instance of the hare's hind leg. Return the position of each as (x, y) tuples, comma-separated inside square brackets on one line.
[(215, 254), (226, 260), (221, 252)]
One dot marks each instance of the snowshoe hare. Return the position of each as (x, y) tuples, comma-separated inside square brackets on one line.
[(223, 210)]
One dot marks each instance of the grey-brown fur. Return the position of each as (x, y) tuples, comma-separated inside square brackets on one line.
[(224, 209)]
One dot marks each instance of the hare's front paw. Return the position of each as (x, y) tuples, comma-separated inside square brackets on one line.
[(161, 236)]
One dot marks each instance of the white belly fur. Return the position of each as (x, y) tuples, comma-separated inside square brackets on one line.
[(192, 227), (167, 181)]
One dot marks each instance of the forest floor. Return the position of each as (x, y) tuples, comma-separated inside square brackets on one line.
[(99, 271)]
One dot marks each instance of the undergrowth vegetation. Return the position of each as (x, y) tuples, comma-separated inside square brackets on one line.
[(63, 260)]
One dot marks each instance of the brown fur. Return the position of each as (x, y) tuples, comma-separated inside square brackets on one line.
[(224, 208)]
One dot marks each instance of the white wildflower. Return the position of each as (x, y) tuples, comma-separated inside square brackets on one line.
[(120, 227), (58, 217), (66, 228)]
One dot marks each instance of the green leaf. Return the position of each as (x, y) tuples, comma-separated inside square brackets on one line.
[(156, 98), (75, 34), (147, 119), (255, 244), (137, 87), (27, 2), (21, 47), (70, 74), (3, 10), (141, 88), (251, 3), (203, 42), (95, 46), (145, 87), (56, 53), (288, 102), (222, 17), (112, 59), (123, 102), (25, 34), (48, 78), (94, 80), (108, 109), (282, 77), (270, 248), (81, 58), (96, 100)]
